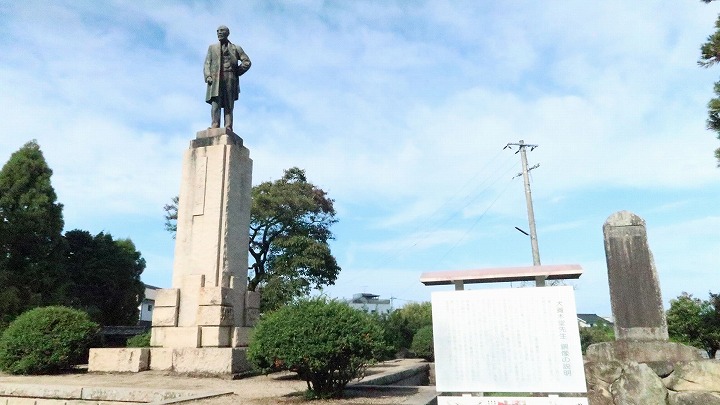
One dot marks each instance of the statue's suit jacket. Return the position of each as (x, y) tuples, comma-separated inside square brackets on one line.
[(213, 64)]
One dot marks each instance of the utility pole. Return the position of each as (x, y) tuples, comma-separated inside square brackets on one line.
[(522, 146)]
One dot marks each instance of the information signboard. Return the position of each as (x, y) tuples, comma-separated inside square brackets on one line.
[(507, 340)]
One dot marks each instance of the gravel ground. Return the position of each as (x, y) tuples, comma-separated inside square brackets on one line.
[(278, 388)]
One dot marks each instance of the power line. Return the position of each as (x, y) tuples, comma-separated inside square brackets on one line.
[(427, 227), (474, 223)]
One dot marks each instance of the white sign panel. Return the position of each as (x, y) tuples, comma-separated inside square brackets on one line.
[(507, 340), (510, 401)]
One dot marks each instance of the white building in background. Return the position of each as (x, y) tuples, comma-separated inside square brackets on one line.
[(147, 305), (370, 303)]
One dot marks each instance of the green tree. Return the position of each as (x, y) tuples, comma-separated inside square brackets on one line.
[(695, 322), (289, 234), (30, 234), (709, 56), (105, 277)]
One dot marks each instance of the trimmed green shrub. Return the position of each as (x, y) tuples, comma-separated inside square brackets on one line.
[(142, 340), (46, 340), (422, 344), (325, 341)]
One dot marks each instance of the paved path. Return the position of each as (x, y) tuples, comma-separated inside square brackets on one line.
[(278, 388)]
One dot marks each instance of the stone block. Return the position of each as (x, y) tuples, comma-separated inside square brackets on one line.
[(188, 336), (241, 336), (43, 401), (252, 299), (638, 384), (39, 391), (167, 297), (215, 336), (193, 282), (215, 316), (119, 360), (598, 377), (161, 358), (165, 316), (252, 316), (693, 398), (641, 351), (211, 360), (191, 285), (701, 375), (22, 401), (216, 296), (157, 336), (117, 394)]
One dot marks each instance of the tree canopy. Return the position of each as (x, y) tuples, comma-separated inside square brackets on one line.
[(104, 276), (695, 322), (31, 223), (40, 267), (289, 234), (709, 56)]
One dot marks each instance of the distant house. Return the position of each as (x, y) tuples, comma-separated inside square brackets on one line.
[(590, 320), (147, 305), (370, 303)]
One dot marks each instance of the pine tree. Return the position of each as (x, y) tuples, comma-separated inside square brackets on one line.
[(710, 56), (30, 234)]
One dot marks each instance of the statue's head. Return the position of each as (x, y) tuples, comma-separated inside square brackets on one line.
[(223, 32)]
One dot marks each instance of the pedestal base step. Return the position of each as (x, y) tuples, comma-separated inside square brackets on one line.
[(194, 361)]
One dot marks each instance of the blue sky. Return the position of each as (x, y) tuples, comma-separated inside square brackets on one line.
[(400, 110)]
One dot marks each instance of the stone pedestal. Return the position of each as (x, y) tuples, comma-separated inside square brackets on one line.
[(207, 302), (201, 324)]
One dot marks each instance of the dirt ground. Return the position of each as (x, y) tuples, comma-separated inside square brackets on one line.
[(278, 388)]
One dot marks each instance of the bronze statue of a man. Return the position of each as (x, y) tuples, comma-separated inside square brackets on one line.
[(224, 64)]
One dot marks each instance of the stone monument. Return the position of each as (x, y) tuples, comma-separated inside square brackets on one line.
[(641, 366), (635, 295), (208, 312), (201, 325), (636, 302)]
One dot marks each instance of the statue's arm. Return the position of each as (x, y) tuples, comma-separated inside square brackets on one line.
[(244, 61), (207, 71)]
